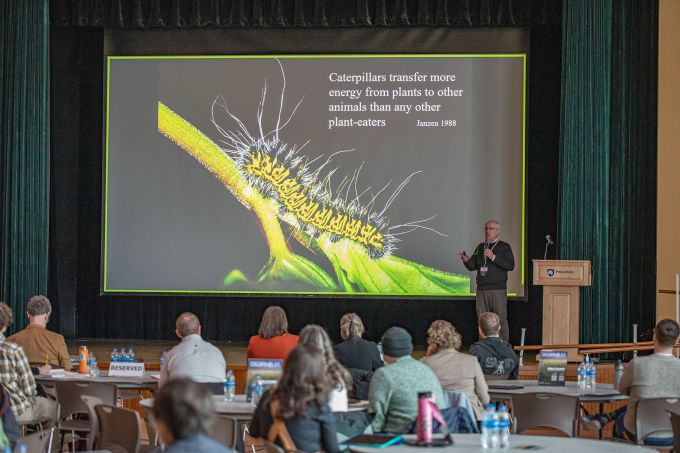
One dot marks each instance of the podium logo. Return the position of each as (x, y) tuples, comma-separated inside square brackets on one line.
[(550, 272)]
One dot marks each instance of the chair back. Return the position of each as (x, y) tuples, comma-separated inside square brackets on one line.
[(271, 447), (497, 377), (225, 430), (215, 388), (651, 416), (118, 429), (37, 442), (675, 424), (550, 410), (459, 399), (69, 393), (90, 403)]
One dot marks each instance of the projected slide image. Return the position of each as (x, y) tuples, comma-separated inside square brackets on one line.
[(308, 175)]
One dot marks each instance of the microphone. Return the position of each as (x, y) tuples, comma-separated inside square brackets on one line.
[(548, 242)]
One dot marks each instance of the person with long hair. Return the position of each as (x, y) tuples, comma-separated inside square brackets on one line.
[(355, 352), (316, 336), (455, 370), (272, 340), (295, 413)]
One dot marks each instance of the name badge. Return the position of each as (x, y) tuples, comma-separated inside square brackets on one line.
[(483, 270)]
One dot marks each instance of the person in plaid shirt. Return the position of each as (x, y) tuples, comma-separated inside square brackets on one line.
[(17, 378)]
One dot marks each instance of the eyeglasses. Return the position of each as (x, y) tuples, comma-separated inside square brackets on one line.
[(490, 228)]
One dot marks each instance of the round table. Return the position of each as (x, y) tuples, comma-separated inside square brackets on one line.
[(464, 443), (239, 408)]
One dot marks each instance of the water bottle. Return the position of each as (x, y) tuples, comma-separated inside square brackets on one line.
[(591, 375), (488, 426), (229, 386), (21, 448), (131, 356), (380, 350), (164, 358), (582, 374), (114, 355), (618, 373), (503, 426), (122, 356), (424, 420), (256, 390)]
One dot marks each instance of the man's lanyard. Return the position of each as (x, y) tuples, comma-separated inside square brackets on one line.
[(486, 246)]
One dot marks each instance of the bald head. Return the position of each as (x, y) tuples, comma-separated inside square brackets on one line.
[(187, 324)]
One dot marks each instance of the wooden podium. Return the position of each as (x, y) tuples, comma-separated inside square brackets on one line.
[(561, 281)]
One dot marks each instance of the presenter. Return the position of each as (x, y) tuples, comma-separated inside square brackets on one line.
[(492, 259)]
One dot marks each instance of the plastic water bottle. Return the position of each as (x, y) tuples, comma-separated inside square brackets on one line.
[(164, 358), (591, 378), (229, 386), (21, 448), (131, 356), (503, 427), (488, 427), (114, 355), (582, 374), (256, 390), (122, 357), (593, 375), (380, 350), (618, 373)]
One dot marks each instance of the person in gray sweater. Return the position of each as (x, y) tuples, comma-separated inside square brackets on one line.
[(653, 376), (393, 394)]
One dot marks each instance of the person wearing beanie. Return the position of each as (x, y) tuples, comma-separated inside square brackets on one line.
[(393, 394)]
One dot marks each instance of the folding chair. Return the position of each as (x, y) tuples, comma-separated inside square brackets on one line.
[(119, 429), (533, 410), (651, 417)]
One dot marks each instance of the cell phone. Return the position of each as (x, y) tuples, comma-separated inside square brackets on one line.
[(464, 253)]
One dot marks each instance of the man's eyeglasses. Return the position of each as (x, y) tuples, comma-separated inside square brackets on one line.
[(490, 228)]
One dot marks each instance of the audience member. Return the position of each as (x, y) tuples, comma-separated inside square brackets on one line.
[(17, 379), (272, 340), (295, 413), (183, 413), (193, 357), (652, 376), (393, 395), (40, 345), (355, 352), (456, 371), (495, 355), (315, 336)]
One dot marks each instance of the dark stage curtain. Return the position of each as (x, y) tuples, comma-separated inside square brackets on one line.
[(607, 210), (301, 13), (24, 151)]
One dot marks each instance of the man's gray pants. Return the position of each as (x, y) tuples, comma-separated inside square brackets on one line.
[(495, 300)]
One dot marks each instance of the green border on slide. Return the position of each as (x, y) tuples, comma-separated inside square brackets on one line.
[(105, 288)]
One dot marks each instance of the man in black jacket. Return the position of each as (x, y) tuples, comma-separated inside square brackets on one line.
[(495, 355), (492, 260)]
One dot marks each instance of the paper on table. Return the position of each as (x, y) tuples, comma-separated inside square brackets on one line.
[(156, 376)]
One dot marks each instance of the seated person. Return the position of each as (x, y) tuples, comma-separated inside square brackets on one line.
[(183, 414), (295, 413), (355, 352), (17, 379), (316, 336), (456, 371), (652, 376), (495, 355), (41, 346), (272, 340), (193, 357), (360, 357), (393, 394)]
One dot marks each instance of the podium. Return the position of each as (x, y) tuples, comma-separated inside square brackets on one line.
[(561, 281)]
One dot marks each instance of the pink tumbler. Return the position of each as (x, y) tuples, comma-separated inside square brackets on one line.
[(427, 410)]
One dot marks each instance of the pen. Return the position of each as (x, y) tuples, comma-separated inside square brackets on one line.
[(45, 359)]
